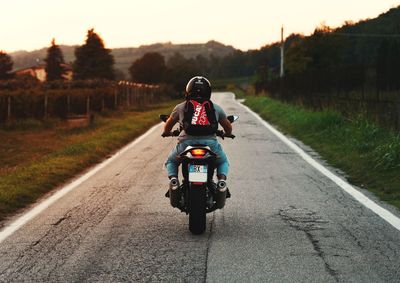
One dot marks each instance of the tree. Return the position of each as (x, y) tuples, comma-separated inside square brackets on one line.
[(202, 64), (180, 70), (6, 65), (93, 60), (119, 75), (148, 69), (297, 60), (54, 63)]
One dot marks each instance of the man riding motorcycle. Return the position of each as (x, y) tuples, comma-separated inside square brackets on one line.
[(199, 119)]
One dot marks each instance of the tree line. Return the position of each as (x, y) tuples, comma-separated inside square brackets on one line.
[(93, 61), (93, 87), (327, 63), (360, 56)]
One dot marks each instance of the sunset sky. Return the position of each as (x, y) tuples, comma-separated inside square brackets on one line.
[(31, 24)]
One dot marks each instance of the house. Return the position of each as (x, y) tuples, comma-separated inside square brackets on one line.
[(39, 72), (35, 71)]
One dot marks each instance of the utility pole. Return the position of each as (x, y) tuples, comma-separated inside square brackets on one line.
[(282, 73)]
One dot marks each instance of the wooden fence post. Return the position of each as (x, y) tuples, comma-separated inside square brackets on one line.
[(127, 95), (141, 97), (115, 99), (135, 96), (45, 105), (8, 108), (68, 104), (88, 105), (147, 96)]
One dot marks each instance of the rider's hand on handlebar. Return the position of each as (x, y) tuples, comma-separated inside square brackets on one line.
[(174, 133), (220, 134), (224, 135), (229, 136)]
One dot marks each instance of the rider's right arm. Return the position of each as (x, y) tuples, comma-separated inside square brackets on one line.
[(172, 120), (169, 124)]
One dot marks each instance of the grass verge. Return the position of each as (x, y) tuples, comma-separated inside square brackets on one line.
[(34, 161), (370, 155)]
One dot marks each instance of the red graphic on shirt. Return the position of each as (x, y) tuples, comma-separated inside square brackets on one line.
[(199, 114)]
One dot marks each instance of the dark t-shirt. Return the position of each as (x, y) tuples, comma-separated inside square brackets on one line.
[(179, 112)]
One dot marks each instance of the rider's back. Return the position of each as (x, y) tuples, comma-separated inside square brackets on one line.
[(204, 127)]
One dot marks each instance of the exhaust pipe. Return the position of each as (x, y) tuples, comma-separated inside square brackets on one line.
[(221, 194), (174, 192)]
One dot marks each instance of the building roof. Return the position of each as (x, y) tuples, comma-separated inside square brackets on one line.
[(67, 67)]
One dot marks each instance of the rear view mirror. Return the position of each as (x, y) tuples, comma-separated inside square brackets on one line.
[(232, 118), (164, 117)]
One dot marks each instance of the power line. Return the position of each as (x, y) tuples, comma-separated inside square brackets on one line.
[(364, 34)]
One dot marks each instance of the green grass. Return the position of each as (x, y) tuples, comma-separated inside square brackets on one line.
[(35, 161), (30, 124), (370, 155)]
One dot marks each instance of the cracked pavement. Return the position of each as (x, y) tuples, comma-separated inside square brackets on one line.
[(285, 222)]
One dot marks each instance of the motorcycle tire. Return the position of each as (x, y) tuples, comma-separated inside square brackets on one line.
[(197, 209)]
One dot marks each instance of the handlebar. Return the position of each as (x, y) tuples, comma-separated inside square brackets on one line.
[(219, 133), (223, 135), (174, 133)]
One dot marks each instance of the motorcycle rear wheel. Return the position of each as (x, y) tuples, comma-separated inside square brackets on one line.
[(197, 209)]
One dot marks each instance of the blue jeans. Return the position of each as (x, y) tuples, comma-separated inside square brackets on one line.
[(222, 163)]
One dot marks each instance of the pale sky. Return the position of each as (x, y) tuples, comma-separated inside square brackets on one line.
[(31, 24)]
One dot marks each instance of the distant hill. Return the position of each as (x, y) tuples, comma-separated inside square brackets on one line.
[(125, 56)]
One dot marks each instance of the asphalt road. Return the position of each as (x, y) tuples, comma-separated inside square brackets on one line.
[(285, 222)]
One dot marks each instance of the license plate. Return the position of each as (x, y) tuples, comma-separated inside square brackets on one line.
[(198, 173)]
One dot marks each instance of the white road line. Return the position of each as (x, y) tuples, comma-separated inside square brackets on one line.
[(380, 211), (21, 221)]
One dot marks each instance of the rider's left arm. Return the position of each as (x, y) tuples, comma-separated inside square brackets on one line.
[(227, 126)]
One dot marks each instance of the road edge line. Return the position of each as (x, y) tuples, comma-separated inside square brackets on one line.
[(356, 194), (11, 228)]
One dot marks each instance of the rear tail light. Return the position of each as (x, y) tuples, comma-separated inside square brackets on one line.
[(198, 152)]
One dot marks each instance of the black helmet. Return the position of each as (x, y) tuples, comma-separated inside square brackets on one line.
[(198, 87)]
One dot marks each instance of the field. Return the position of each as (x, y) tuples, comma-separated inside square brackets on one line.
[(36, 156)]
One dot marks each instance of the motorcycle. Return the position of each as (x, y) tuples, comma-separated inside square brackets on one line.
[(198, 194)]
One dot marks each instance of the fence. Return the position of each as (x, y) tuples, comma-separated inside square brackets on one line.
[(381, 107), (78, 98)]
